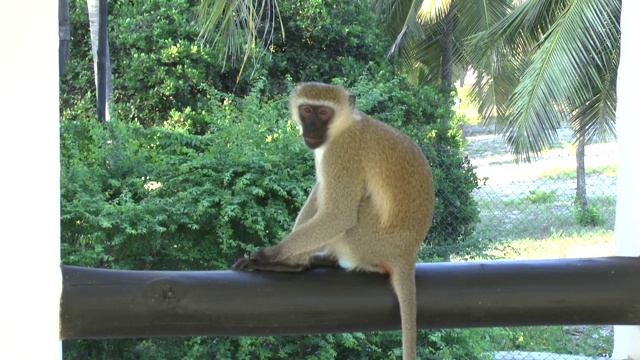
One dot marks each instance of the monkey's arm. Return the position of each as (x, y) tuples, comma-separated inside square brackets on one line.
[(336, 215), (338, 198), (302, 261), (297, 263)]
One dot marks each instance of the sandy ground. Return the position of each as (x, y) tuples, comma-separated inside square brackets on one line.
[(508, 180), (490, 154)]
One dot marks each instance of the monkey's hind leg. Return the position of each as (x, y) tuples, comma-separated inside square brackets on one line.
[(251, 264), (323, 260), (316, 261), (262, 261)]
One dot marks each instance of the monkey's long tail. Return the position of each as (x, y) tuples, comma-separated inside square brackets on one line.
[(404, 285)]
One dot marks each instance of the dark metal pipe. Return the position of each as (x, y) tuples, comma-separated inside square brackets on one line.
[(99, 303)]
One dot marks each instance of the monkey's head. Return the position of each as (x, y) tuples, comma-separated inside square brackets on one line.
[(321, 111)]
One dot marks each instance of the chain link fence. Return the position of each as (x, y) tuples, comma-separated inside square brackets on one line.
[(529, 211)]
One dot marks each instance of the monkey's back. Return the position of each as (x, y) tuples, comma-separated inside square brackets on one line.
[(397, 175)]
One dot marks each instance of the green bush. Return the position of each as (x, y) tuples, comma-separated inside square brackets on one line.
[(589, 216), (450, 344), (391, 98), (164, 199), (341, 45), (457, 212), (159, 66)]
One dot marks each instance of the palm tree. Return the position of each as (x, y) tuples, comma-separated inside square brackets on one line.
[(568, 74), (244, 28), (101, 58), (541, 64), (430, 35)]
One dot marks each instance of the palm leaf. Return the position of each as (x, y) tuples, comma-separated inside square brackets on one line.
[(498, 74), (475, 16), (571, 42), (433, 10), (596, 118), (501, 53), (237, 26), (496, 69), (522, 28), (400, 17), (417, 26)]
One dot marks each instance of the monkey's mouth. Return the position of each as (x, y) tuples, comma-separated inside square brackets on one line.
[(312, 142)]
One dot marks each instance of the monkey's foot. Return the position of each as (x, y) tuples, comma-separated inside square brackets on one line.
[(254, 264), (323, 261)]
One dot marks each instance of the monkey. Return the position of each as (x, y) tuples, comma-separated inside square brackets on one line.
[(371, 206)]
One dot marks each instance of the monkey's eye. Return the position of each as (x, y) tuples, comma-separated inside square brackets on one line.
[(306, 110), (325, 113)]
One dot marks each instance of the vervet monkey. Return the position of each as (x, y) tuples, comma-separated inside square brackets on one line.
[(372, 204)]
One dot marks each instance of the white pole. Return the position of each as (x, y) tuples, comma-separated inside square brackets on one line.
[(627, 338), (29, 181)]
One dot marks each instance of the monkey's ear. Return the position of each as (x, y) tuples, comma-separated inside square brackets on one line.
[(352, 101)]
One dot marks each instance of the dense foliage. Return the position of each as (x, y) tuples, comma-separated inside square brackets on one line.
[(326, 40), (164, 199), (197, 170)]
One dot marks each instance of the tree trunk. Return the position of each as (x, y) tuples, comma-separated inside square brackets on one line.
[(101, 58), (446, 41), (581, 177), (64, 35), (627, 338), (463, 77)]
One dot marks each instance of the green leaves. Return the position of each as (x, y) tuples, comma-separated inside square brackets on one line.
[(238, 26), (164, 199), (573, 47), (420, 30)]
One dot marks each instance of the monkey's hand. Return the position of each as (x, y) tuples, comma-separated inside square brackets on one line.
[(261, 262)]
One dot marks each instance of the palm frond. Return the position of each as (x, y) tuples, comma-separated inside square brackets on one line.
[(496, 68), (476, 16), (498, 75), (523, 27), (595, 119), (400, 18), (565, 67), (423, 60), (237, 25), (433, 10)]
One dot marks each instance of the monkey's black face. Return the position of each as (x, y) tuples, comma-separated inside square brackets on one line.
[(315, 121)]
